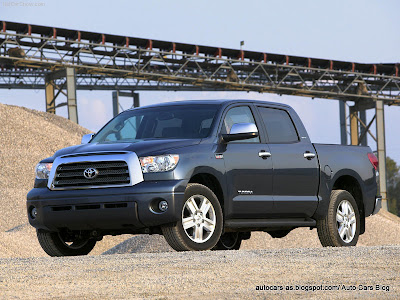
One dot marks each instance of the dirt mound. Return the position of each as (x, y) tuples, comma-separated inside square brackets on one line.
[(141, 244), (27, 136)]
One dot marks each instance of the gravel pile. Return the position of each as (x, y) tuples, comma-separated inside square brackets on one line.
[(27, 136)]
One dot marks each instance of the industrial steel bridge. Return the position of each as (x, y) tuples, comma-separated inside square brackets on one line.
[(62, 61)]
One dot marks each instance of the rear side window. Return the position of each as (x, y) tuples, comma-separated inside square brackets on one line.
[(279, 125)]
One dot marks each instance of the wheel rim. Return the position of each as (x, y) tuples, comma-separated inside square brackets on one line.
[(198, 218), (76, 244), (346, 221)]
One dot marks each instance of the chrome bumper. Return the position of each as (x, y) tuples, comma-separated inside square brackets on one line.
[(378, 204)]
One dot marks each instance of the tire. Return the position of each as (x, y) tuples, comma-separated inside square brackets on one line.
[(53, 243), (202, 215), (341, 226), (229, 241)]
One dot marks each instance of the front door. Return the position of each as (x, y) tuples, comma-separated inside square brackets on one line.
[(248, 170)]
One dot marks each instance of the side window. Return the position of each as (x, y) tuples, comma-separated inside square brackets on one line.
[(239, 114), (279, 125)]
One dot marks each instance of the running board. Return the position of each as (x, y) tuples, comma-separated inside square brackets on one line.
[(256, 223)]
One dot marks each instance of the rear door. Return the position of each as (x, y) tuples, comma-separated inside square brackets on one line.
[(295, 178), (248, 173)]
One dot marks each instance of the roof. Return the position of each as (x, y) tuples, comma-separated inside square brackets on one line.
[(214, 102)]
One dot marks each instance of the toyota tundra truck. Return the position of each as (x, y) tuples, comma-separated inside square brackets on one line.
[(204, 174)]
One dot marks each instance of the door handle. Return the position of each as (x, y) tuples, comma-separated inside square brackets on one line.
[(308, 155), (264, 154)]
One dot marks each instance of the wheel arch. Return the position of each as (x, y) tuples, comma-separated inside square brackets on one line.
[(211, 181), (352, 185)]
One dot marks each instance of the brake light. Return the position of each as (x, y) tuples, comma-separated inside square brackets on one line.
[(374, 161)]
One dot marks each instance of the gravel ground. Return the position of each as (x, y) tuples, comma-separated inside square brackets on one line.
[(207, 275)]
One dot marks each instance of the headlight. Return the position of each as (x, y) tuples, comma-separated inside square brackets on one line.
[(42, 170), (159, 163)]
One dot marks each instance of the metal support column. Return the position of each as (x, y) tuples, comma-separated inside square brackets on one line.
[(363, 136), (354, 125), (381, 149), (71, 95), (115, 103), (117, 108), (50, 99), (136, 103), (136, 100), (343, 125)]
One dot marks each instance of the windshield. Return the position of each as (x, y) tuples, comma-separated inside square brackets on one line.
[(163, 122)]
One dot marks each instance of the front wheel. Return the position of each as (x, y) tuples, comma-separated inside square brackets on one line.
[(61, 244), (341, 226), (201, 221)]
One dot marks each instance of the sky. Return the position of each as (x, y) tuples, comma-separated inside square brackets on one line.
[(351, 30)]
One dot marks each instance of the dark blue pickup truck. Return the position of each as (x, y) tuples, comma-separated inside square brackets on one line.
[(205, 174)]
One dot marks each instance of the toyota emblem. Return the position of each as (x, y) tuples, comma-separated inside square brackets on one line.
[(90, 173)]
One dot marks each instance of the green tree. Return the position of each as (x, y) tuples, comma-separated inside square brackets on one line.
[(393, 185)]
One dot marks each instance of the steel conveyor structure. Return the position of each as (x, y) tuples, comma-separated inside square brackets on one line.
[(62, 61), (105, 61)]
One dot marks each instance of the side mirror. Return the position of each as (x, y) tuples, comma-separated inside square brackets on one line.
[(87, 138), (241, 131)]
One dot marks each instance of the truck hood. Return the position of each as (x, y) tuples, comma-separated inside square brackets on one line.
[(141, 148)]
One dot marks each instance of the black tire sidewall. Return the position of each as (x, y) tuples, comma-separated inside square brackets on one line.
[(53, 245), (82, 250), (198, 189), (344, 195)]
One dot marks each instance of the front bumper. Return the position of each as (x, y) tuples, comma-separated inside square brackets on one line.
[(378, 205), (121, 208)]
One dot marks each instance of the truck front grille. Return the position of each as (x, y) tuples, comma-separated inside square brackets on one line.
[(91, 174)]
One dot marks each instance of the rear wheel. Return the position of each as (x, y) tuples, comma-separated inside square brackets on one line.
[(229, 241), (341, 226), (201, 221), (62, 244)]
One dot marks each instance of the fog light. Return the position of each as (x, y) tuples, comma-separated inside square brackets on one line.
[(33, 212), (163, 205)]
